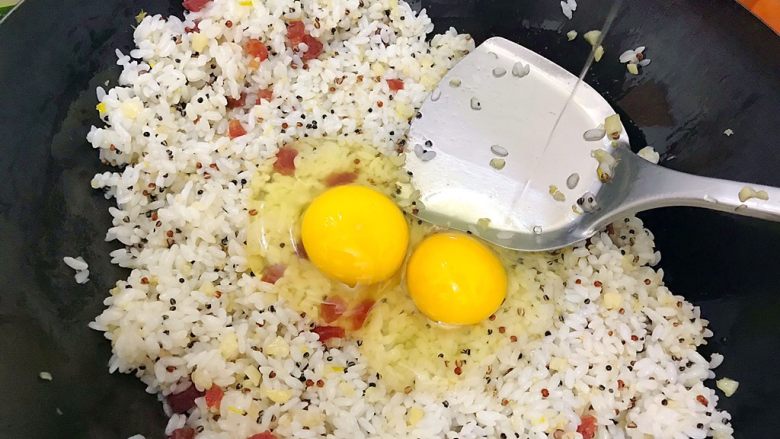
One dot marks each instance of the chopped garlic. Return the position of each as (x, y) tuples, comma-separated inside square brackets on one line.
[(649, 154), (497, 163), (228, 347), (607, 164), (613, 127), (253, 375), (604, 174), (208, 289), (556, 193), (277, 348), (612, 299), (428, 80), (727, 385), (558, 364), (140, 17), (598, 54), (632, 68), (278, 396), (748, 192), (404, 111), (131, 108), (592, 37), (729, 132), (414, 415), (46, 376), (377, 69), (201, 378), (236, 410), (571, 35), (346, 389), (603, 157), (199, 42)]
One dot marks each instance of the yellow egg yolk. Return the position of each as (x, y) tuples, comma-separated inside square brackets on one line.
[(455, 279), (355, 234)]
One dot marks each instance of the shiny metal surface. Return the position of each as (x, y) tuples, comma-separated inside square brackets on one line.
[(483, 162)]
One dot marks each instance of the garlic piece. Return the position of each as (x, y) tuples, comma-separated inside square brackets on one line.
[(613, 127), (748, 192), (727, 386)]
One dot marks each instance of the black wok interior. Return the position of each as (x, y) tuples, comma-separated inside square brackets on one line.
[(714, 67)]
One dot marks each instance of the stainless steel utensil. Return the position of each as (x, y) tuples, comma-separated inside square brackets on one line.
[(484, 159)]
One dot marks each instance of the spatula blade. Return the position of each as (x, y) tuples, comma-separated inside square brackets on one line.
[(481, 141)]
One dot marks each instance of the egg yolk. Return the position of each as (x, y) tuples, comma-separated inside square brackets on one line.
[(355, 234), (455, 279)]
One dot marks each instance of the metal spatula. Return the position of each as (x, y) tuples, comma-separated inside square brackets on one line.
[(484, 159)]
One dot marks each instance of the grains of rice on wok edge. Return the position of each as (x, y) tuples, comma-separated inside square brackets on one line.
[(200, 101)]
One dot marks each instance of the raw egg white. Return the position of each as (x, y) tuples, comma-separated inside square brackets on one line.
[(336, 252)]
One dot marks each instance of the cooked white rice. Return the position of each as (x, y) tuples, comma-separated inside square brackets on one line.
[(623, 348), (80, 265)]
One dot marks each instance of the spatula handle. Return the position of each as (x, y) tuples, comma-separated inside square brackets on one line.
[(653, 186)]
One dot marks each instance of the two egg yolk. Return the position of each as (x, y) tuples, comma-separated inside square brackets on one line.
[(360, 237)]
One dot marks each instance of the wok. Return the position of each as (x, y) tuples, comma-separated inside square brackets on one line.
[(714, 67)]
